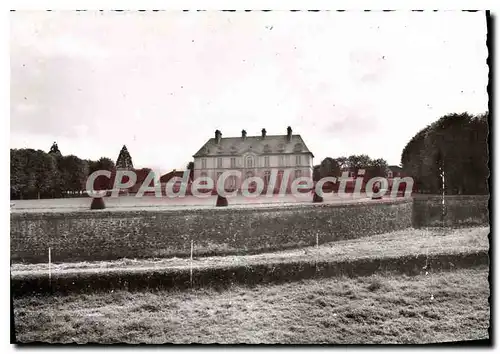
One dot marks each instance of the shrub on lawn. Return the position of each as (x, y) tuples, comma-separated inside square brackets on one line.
[(97, 203), (221, 201), (375, 285), (317, 198), (376, 189)]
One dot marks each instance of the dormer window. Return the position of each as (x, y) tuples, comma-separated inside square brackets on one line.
[(297, 147), (281, 147), (267, 148)]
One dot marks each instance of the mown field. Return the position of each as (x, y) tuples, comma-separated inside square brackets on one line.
[(391, 244), (152, 202), (428, 308)]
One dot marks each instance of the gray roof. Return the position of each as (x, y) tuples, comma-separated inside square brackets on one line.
[(395, 168), (271, 144)]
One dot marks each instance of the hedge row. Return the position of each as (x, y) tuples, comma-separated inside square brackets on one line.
[(221, 277), (108, 235), (457, 210)]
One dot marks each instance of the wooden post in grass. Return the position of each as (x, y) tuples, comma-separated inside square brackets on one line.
[(317, 250), (191, 265), (50, 275)]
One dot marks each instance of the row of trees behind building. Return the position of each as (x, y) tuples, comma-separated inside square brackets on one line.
[(450, 155), (333, 167), (36, 174)]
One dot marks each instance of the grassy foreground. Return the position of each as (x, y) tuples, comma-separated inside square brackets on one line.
[(393, 244), (433, 307)]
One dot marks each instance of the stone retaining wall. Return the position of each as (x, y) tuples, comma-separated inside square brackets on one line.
[(107, 235)]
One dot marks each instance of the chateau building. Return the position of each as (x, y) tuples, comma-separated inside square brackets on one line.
[(254, 156)]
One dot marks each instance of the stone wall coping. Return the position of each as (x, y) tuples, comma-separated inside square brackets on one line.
[(144, 211)]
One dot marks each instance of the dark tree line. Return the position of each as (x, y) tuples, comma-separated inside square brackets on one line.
[(333, 167), (456, 147), (36, 174)]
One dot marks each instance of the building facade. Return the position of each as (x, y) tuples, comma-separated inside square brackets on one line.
[(254, 156)]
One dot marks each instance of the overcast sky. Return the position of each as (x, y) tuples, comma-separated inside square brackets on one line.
[(162, 83)]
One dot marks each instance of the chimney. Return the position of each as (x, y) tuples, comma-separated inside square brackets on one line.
[(243, 134), (263, 133), (218, 135), (288, 134)]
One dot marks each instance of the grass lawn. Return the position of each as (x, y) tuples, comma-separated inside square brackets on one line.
[(394, 244), (436, 307), (166, 203)]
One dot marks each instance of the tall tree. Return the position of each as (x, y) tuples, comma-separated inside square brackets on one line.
[(316, 173), (376, 168), (45, 173), (32, 173), (103, 164), (455, 144), (74, 172), (37, 174), (342, 162), (17, 173), (329, 168), (355, 162), (412, 157), (124, 159)]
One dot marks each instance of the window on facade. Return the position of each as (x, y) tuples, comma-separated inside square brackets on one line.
[(203, 174), (266, 161), (298, 160), (203, 163), (267, 177), (282, 160), (306, 158), (219, 162), (298, 173), (249, 174), (249, 162), (287, 160), (232, 181), (233, 162)]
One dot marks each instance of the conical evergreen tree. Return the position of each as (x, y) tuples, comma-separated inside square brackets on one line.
[(124, 160)]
